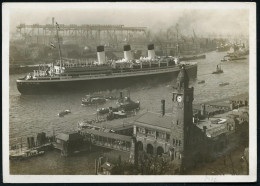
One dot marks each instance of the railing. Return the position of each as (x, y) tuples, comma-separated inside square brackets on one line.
[(115, 74)]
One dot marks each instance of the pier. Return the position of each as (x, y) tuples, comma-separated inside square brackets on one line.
[(107, 140)]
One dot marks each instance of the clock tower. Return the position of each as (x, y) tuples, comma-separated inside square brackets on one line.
[(182, 121)]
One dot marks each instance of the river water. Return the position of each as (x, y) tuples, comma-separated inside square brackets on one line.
[(31, 114)]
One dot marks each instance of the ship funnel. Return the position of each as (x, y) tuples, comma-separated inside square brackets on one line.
[(151, 53), (127, 52), (101, 54)]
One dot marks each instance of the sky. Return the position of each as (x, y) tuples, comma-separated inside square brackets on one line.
[(155, 16)]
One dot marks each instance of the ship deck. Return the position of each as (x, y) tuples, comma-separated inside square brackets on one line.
[(106, 76)]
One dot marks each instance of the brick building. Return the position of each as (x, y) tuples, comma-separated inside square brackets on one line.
[(176, 135)]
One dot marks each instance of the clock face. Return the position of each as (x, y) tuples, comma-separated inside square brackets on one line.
[(179, 98)]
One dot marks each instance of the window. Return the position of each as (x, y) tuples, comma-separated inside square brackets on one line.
[(141, 130), (150, 132), (161, 135), (167, 137)]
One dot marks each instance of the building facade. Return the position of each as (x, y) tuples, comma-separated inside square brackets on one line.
[(175, 135)]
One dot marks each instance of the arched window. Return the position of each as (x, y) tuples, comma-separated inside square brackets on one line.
[(139, 146), (160, 151), (149, 149)]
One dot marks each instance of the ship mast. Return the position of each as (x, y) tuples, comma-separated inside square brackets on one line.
[(57, 27), (177, 47)]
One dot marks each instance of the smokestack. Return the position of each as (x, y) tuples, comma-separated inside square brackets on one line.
[(127, 52), (151, 53), (52, 21), (121, 95), (163, 107), (231, 105), (204, 129), (101, 54), (203, 110)]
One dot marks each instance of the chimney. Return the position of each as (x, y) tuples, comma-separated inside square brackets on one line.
[(101, 54), (127, 52), (204, 129), (151, 53), (203, 110), (52, 21), (231, 105), (121, 95), (163, 107)]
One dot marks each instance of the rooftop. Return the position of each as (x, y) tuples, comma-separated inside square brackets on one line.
[(214, 126), (68, 136), (155, 120), (208, 108), (218, 124), (107, 134)]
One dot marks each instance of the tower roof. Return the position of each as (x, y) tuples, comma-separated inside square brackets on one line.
[(183, 78)]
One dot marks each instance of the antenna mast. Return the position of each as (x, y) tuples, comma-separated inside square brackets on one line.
[(57, 27)]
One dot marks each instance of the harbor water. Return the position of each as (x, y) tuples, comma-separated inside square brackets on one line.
[(31, 114)]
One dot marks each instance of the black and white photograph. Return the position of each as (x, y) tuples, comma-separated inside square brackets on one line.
[(106, 91)]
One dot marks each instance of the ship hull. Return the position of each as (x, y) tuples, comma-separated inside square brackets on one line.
[(93, 85)]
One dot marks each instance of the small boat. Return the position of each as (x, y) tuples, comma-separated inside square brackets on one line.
[(116, 115), (63, 113), (218, 70), (201, 82), (224, 59), (92, 100), (129, 106), (235, 58), (106, 110), (232, 57), (25, 154), (126, 104), (223, 84), (112, 97), (103, 110)]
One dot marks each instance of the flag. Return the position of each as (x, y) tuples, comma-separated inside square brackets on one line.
[(52, 45), (57, 25)]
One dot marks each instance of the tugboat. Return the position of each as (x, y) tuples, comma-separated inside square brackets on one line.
[(93, 100), (218, 70), (126, 104)]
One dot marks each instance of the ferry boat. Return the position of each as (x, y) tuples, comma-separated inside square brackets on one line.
[(103, 74)]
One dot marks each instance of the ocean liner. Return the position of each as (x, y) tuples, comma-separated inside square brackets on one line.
[(103, 74)]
